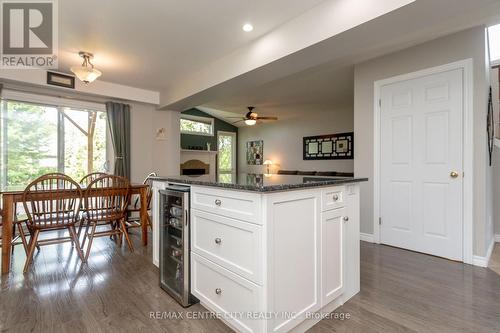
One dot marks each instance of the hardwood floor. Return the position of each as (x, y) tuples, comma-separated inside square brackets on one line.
[(494, 263), (401, 291), (404, 291)]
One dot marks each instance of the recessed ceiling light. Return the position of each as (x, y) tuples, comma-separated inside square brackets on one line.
[(247, 27)]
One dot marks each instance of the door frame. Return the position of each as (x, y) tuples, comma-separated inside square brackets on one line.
[(468, 148), (235, 149)]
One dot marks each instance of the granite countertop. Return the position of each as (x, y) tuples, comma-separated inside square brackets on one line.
[(261, 183)]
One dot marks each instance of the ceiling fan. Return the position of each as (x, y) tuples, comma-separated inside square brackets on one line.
[(251, 117)]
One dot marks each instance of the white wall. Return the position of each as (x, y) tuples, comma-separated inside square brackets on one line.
[(463, 45), (283, 141), (147, 153)]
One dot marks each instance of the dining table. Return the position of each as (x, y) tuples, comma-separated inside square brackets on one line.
[(12, 196)]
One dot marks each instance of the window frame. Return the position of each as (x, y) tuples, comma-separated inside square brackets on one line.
[(234, 152), (205, 120), (60, 104), (493, 62)]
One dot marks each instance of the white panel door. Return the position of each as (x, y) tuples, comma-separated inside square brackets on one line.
[(421, 150)]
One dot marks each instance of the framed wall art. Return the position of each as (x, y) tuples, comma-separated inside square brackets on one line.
[(329, 147), (255, 152)]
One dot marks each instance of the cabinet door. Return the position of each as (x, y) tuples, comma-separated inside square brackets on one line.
[(332, 258), (294, 246)]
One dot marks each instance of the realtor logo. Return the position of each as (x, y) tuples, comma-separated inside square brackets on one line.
[(29, 34)]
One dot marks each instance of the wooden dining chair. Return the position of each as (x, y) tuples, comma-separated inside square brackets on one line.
[(16, 239), (86, 180), (105, 202), (22, 226), (135, 221), (52, 202), (24, 229)]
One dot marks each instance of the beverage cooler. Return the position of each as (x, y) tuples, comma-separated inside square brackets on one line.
[(174, 243)]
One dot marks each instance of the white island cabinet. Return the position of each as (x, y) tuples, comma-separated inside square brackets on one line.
[(274, 261)]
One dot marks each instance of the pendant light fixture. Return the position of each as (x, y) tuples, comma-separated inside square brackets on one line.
[(86, 72)]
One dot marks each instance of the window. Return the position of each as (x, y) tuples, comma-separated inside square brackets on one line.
[(39, 138), (494, 41), (226, 146), (197, 125)]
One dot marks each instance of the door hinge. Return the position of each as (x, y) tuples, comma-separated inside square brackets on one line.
[(380, 103), (379, 221)]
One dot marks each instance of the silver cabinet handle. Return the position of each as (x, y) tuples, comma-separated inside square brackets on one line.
[(335, 197), (218, 202), (218, 241), (346, 218), (218, 291)]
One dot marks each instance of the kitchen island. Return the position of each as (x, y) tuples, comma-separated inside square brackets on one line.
[(270, 254)]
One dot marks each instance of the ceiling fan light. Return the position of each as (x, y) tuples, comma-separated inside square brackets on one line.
[(86, 74), (250, 122)]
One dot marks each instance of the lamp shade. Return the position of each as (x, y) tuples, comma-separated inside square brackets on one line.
[(250, 122), (86, 74), (268, 162)]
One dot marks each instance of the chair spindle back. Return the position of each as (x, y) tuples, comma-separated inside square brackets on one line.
[(106, 198), (52, 201)]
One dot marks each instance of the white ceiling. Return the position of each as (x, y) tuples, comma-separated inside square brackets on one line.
[(330, 84), (317, 90), (151, 43)]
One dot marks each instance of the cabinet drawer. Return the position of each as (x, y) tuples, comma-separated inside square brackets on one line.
[(231, 243), (225, 292), (332, 198), (239, 205)]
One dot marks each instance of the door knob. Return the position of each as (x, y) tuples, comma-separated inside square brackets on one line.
[(454, 174)]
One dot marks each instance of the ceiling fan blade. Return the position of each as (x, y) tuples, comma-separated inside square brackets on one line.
[(267, 118), (239, 121), (235, 117)]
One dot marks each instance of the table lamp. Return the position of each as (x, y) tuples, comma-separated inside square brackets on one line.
[(268, 164)]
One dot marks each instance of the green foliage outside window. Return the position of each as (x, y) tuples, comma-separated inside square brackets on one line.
[(29, 133), (225, 153), (38, 139), (193, 126)]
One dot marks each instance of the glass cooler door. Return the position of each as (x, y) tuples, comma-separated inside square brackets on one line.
[(174, 243)]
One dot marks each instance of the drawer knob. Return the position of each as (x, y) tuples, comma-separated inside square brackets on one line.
[(346, 218), (218, 241), (218, 291), (218, 202), (335, 197)]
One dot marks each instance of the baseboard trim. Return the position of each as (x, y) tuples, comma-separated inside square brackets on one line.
[(366, 237), (476, 260), (483, 261)]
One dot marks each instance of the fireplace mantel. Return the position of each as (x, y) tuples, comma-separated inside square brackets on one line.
[(205, 156), (198, 151)]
